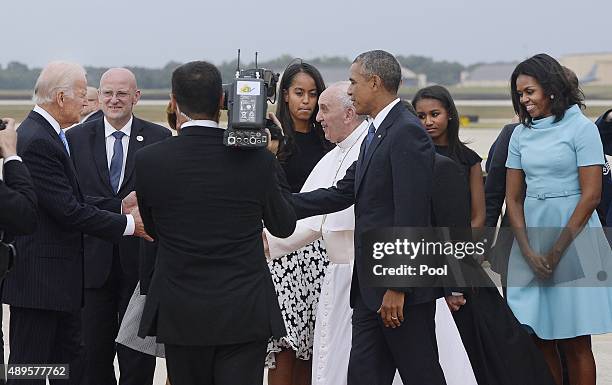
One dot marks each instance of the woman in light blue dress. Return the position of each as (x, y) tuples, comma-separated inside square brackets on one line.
[(557, 287)]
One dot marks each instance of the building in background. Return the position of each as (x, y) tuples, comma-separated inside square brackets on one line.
[(337, 73), (591, 68), (488, 75)]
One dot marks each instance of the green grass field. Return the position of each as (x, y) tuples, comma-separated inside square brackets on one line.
[(158, 113)]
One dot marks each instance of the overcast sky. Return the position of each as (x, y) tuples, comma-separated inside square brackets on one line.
[(151, 33)]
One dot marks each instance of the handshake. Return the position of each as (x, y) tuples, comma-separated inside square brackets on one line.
[(8, 138), (129, 205)]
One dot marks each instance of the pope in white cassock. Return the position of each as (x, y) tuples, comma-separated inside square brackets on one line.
[(332, 339)]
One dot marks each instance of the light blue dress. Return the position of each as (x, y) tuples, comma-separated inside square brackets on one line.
[(577, 300)]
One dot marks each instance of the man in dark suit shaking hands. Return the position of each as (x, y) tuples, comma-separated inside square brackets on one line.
[(17, 197), (104, 153), (390, 185), (211, 300), (45, 287)]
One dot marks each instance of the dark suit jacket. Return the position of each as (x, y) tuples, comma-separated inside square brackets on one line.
[(88, 153), (605, 132), (48, 274), (95, 116), (204, 203), (391, 185), (495, 184), (495, 195), (17, 200)]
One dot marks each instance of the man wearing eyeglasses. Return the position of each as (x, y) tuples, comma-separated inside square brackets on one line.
[(45, 286), (103, 152)]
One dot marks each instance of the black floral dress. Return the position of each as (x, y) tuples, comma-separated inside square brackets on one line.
[(298, 276)]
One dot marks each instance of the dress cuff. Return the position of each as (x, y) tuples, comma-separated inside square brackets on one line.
[(14, 157), (130, 226)]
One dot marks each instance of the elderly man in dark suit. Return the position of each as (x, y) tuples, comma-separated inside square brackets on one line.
[(45, 287), (103, 152), (390, 185), (211, 300), (92, 111)]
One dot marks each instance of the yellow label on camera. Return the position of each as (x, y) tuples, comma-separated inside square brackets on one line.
[(248, 88)]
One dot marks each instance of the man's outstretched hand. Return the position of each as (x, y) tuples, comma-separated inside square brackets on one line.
[(129, 203), (139, 230)]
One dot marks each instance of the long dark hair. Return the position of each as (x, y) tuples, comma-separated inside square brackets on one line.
[(441, 94), (287, 148), (554, 81)]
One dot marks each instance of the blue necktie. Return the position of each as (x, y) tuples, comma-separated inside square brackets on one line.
[(368, 138), (62, 136), (116, 161)]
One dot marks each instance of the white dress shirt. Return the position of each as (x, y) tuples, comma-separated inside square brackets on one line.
[(201, 123), (110, 144), (87, 116), (54, 123), (14, 157), (383, 113), (130, 227)]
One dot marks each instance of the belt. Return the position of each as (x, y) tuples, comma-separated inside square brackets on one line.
[(559, 194)]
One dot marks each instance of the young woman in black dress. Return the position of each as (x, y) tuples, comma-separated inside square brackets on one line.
[(297, 276), (436, 110), (500, 350)]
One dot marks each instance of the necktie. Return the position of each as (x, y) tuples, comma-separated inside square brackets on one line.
[(116, 161), (369, 137), (62, 136)]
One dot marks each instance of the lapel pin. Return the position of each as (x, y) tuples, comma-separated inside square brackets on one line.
[(139, 138), (379, 135)]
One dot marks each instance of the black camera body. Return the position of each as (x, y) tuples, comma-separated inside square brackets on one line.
[(246, 102), (2, 124)]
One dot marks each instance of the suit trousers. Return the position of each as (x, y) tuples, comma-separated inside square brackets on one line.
[(102, 314), (40, 336), (2, 377), (238, 364), (377, 351)]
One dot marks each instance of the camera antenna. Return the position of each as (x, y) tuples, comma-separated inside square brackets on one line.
[(238, 65), (257, 75)]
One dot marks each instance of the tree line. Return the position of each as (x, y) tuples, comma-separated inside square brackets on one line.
[(18, 76)]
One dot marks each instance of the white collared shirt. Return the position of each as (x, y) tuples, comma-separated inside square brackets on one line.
[(201, 123), (14, 157), (48, 118), (130, 226), (110, 144), (383, 113)]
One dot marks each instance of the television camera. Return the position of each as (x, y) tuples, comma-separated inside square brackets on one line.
[(246, 101)]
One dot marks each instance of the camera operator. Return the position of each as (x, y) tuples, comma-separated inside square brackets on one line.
[(211, 300), (17, 197)]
